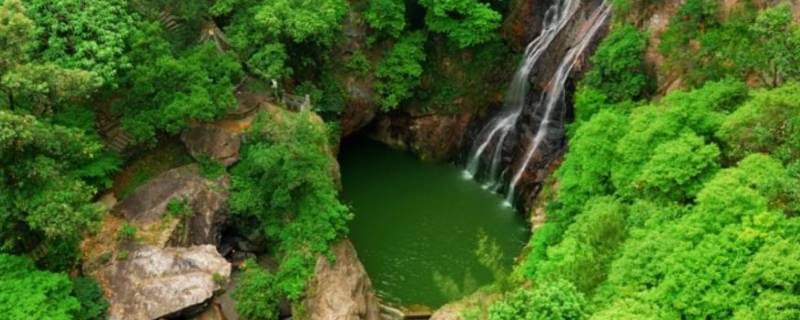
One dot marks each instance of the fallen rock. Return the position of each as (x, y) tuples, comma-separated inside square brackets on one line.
[(146, 207), (341, 290), (219, 144), (158, 282)]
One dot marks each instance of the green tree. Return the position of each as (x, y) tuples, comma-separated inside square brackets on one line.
[(28, 293), (584, 254), (94, 304), (678, 168), (466, 22), (776, 53), (36, 87), (617, 67), (41, 192), (768, 123), (84, 35), (257, 294), (387, 16), (284, 181), (167, 91), (556, 300), (400, 71), (274, 38)]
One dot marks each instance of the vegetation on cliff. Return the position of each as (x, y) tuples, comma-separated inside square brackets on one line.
[(682, 206), (671, 203)]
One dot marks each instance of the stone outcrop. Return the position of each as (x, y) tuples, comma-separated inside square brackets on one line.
[(431, 136), (218, 143), (360, 107), (158, 282), (146, 207), (341, 290)]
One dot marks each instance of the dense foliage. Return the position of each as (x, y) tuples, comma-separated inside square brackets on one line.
[(466, 22), (704, 43), (28, 293), (195, 85), (617, 67), (684, 206), (400, 71), (285, 181)]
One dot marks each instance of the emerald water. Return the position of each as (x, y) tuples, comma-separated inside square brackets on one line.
[(414, 219)]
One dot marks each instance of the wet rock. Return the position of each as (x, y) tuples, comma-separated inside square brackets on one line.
[(433, 136), (146, 207), (221, 145), (360, 107), (159, 282), (341, 290)]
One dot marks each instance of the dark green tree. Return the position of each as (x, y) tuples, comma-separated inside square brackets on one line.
[(466, 22), (617, 67), (400, 71)]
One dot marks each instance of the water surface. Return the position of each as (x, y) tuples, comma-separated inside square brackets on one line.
[(414, 219)]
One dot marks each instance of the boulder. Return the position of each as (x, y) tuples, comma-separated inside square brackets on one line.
[(435, 137), (158, 282), (146, 207), (220, 144), (341, 290)]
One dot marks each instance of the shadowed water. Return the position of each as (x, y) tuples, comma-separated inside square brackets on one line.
[(414, 219)]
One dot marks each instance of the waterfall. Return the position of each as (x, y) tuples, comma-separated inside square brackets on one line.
[(555, 91), (555, 18)]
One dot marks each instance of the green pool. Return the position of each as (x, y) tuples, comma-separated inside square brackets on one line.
[(416, 219)]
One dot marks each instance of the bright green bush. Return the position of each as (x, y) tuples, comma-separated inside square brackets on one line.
[(27, 293), (94, 304), (257, 294), (284, 181), (84, 35), (768, 123), (583, 256), (197, 85), (400, 70), (557, 300), (40, 196), (465, 22), (617, 67), (388, 16)]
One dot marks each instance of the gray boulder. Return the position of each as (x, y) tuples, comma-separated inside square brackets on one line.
[(159, 282), (147, 206), (220, 144), (341, 290)]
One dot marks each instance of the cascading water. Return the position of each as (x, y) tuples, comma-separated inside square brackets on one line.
[(556, 17), (555, 92), (494, 134)]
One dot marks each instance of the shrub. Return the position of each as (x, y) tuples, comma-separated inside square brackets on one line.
[(400, 70), (557, 300), (618, 70), (257, 294)]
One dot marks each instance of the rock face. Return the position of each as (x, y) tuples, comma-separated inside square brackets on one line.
[(219, 144), (147, 206), (342, 290), (158, 282), (360, 107), (432, 136)]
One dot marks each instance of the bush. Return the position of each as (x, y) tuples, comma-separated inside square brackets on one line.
[(283, 180), (194, 86), (466, 22), (618, 70), (400, 70), (768, 123), (388, 16), (557, 300), (27, 293), (94, 304), (257, 294)]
